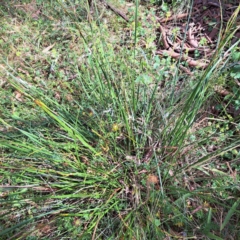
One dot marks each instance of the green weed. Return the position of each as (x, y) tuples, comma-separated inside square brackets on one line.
[(98, 141)]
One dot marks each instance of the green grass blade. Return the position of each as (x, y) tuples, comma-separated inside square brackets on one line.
[(229, 214), (213, 236)]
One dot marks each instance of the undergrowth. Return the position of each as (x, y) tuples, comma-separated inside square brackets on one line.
[(99, 140)]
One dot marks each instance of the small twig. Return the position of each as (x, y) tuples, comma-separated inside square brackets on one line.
[(115, 10), (222, 91), (215, 4), (186, 70), (189, 60), (183, 15), (196, 210), (164, 37), (192, 39)]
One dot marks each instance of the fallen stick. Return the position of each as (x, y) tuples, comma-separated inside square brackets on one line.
[(164, 37), (179, 16), (190, 61), (193, 42), (185, 70), (115, 10)]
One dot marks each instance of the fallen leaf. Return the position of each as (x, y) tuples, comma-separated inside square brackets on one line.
[(152, 179), (171, 173), (47, 49)]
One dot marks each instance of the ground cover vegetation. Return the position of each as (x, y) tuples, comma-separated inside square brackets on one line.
[(119, 119)]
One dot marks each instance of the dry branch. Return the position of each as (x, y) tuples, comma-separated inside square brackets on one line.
[(190, 61), (115, 10)]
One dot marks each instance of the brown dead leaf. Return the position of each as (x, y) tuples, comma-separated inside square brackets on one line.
[(43, 229), (171, 173), (47, 49), (152, 179)]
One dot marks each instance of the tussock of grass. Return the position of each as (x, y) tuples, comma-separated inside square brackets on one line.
[(97, 144)]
